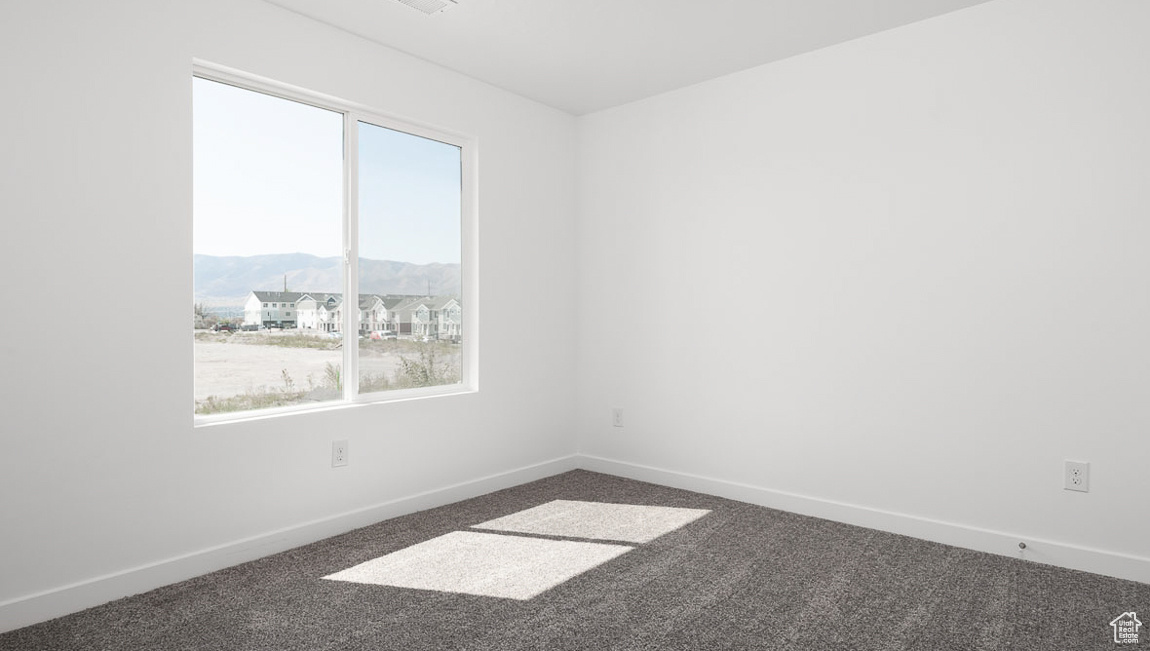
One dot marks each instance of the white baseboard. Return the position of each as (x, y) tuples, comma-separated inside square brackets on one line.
[(1097, 561), (42, 606)]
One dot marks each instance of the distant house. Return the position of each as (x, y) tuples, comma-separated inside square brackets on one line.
[(390, 302), (448, 315), (324, 312), (329, 315), (317, 311), (437, 317), (378, 312), (372, 313), (406, 315), (272, 309)]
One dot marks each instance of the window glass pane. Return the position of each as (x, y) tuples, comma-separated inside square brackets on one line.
[(267, 233), (410, 281)]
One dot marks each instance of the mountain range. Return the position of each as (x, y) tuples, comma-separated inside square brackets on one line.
[(225, 281)]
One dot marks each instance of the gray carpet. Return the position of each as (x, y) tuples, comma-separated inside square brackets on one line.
[(740, 577)]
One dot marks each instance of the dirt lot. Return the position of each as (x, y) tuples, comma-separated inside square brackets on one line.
[(227, 369), (232, 364)]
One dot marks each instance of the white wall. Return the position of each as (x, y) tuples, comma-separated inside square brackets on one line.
[(906, 274), (101, 471)]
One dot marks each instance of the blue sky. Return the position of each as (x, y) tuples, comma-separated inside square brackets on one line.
[(269, 179)]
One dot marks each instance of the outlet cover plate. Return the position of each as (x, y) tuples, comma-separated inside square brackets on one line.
[(1076, 476), (338, 453)]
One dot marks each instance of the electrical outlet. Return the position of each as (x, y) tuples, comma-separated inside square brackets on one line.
[(338, 453), (617, 416), (1077, 476)]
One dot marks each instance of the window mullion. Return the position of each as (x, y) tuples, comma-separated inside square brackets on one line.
[(351, 258)]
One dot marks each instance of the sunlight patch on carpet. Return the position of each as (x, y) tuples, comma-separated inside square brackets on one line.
[(483, 564), (601, 521)]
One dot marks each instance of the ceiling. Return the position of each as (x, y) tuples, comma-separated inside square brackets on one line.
[(585, 55)]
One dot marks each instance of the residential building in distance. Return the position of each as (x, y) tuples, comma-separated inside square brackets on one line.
[(435, 317), (318, 311), (272, 309)]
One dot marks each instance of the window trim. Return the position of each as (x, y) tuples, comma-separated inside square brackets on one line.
[(354, 113)]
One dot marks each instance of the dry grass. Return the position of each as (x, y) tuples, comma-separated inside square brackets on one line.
[(416, 364)]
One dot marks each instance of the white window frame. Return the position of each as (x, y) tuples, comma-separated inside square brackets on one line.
[(353, 114)]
